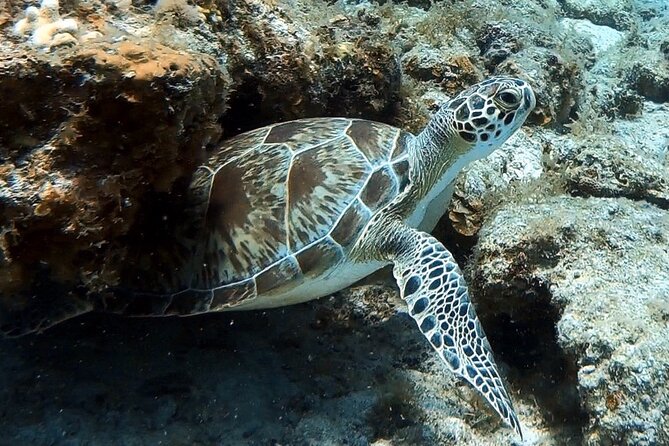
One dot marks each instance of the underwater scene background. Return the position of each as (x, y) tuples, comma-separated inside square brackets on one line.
[(107, 108)]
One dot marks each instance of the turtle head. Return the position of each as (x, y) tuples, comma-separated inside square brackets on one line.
[(471, 126), (488, 113)]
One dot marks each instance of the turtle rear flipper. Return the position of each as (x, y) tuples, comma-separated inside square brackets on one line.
[(38, 313)]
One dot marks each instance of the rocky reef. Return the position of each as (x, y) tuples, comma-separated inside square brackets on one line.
[(108, 106)]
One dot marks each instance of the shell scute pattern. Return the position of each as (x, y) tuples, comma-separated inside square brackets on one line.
[(189, 301), (287, 202), (401, 170), (231, 295), (400, 150), (317, 259), (322, 182), (351, 224), (381, 188), (303, 134), (399, 160), (278, 275), (144, 305), (244, 223), (236, 148), (373, 139)]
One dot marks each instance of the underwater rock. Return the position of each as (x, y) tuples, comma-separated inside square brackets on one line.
[(613, 13), (605, 168), (287, 66), (452, 72), (89, 138), (648, 74), (608, 98), (646, 132), (99, 140), (496, 43), (602, 38), (599, 269), (347, 369), (623, 159)]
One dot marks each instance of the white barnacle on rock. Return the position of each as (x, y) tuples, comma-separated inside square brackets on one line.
[(44, 27), (28, 23), (48, 10), (58, 32)]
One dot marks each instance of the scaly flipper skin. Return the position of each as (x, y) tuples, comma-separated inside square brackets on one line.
[(433, 286)]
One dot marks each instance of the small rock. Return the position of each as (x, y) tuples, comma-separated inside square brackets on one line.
[(602, 38), (496, 43), (452, 71), (613, 13), (649, 75)]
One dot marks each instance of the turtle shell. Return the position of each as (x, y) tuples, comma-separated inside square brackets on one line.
[(280, 206)]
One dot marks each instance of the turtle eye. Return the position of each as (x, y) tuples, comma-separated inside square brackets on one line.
[(509, 98)]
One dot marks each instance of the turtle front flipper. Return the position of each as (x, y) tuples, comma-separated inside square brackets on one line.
[(433, 286)]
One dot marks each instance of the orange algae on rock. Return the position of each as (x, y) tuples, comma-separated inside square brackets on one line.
[(143, 63), (88, 136)]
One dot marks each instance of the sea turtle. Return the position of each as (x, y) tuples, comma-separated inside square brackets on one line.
[(301, 209)]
